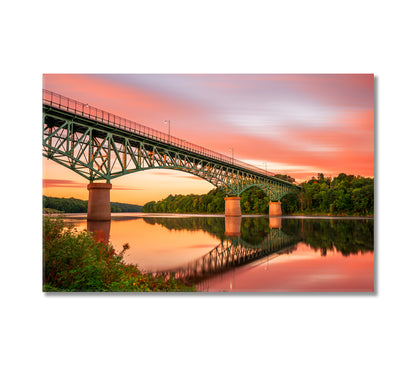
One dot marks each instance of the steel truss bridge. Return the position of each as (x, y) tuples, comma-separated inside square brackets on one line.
[(101, 146), (232, 253)]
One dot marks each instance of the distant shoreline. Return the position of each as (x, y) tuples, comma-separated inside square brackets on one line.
[(178, 215)]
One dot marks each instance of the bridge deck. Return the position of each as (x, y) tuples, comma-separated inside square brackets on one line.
[(89, 113)]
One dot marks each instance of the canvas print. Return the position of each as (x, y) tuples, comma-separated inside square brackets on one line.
[(199, 183)]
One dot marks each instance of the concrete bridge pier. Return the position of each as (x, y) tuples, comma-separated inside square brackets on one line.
[(99, 202), (232, 206), (275, 208)]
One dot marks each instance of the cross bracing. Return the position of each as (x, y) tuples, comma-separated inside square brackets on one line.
[(100, 147)]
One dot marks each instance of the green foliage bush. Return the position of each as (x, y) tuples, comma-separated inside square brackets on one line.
[(77, 261)]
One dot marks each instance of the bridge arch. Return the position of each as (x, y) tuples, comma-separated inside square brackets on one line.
[(271, 193), (267, 190), (100, 146)]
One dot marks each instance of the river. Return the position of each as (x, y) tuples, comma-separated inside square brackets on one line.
[(248, 254)]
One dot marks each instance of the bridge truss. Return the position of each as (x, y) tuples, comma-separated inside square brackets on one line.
[(231, 253), (100, 146)]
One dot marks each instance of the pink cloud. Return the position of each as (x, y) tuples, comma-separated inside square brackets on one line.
[(133, 103), (344, 142)]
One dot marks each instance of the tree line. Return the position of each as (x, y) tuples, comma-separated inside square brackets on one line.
[(71, 205), (342, 195), (253, 201)]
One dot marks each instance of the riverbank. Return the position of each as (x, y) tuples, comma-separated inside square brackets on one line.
[(77, 261)]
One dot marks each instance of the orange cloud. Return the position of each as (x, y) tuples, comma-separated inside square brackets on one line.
[(64, 183)]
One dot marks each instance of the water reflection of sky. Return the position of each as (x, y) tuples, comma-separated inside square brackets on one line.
[(163, 244), (303, 270), (154, 247)]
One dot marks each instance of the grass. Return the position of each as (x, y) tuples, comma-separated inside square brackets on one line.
[(78, 261)]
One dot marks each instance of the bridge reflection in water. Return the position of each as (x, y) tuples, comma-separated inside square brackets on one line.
[(101, 229), (242, 240), (261, 237), (234, 251)]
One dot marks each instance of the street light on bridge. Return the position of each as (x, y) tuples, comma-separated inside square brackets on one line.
[(167, 122), (232, 150)]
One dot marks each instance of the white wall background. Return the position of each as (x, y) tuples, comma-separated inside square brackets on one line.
[(206, 333)]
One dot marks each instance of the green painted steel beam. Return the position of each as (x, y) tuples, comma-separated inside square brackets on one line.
[(98, 151)]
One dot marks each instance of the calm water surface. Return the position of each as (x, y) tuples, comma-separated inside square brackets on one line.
[(248, 254)]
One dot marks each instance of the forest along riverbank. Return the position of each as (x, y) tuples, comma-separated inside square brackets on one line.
[(344, 195)]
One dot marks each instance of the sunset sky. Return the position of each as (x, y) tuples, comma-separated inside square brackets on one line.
[(299, 125)]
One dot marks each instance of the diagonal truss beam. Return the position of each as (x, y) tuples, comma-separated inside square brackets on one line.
[(100, 152)]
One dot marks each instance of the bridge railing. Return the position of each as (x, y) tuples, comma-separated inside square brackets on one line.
[(61, 102)]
